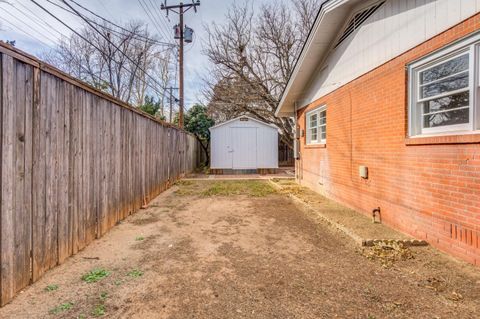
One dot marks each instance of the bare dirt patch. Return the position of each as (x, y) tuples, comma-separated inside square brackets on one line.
[(361, 225), (244, 252)]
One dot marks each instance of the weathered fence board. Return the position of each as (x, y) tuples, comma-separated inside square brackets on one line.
[(74, 162), (8, 179)]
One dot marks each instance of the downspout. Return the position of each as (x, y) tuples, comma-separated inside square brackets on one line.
[(296, 145)]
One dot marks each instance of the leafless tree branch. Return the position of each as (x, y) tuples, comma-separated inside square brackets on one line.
[(254, 54), (109, 69)]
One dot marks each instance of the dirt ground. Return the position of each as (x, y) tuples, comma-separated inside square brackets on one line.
[(226, 249), (359, 224)]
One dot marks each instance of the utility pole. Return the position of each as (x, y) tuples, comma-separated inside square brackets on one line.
[(182, 8), (171, 102), (180, 63), (170, 117)]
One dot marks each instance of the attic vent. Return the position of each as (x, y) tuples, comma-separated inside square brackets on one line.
[(357, 20), (244, 119)]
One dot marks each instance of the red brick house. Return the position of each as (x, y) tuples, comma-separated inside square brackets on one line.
[(386, 95)]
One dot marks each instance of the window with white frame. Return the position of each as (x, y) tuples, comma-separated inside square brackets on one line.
[(317, 126), (444, 91)]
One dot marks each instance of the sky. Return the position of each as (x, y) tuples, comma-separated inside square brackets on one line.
[(36, 32)]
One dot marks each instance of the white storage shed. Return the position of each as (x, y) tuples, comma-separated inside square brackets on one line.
[(244, 143)]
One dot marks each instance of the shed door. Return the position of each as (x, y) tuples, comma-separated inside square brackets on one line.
[(244, 147)]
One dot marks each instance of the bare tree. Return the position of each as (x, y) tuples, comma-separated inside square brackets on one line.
[(119, 65), (253, 56)]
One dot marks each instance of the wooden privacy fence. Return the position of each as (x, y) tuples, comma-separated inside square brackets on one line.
[(285, 154), (74, 162)]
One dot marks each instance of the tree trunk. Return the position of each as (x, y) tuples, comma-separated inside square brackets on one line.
[(205, 149)]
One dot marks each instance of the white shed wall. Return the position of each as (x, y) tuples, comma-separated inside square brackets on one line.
[(399, 25), (231, 140)]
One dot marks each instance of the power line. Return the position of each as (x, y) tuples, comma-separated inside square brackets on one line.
[(158, 12), (109, 22), (32, 29), (33, 17), (106, 10), (134, 35), (15, 27), (152, 19), (95, 77), (89, 72), (96, 47), (115, 46), (170, 45)]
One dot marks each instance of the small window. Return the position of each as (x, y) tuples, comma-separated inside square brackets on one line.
[(317, 126), (443, 92)]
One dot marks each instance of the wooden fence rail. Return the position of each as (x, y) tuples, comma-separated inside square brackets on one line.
[(74, 162)]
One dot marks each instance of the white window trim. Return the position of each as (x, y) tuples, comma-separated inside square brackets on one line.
[(319, 140), (470, 44)]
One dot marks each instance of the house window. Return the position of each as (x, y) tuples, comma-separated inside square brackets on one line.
[(317, 126), (444, 91)]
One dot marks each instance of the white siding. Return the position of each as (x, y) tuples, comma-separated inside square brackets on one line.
[(396, 27), (240, 144)]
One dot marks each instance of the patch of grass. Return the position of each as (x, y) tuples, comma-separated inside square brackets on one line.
[(185, 191), (118, 282), (63, 307), (186, 188), (139, 238), (284, 181), (95, 275), (231, 188), (135, 273), (103, 296), (50, 288), (99, 311), (253, 188), (184, 183)]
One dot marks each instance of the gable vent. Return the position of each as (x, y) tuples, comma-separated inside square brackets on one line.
[(357, 20)]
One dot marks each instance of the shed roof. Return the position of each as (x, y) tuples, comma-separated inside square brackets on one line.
[(330, 19), (243, 116)]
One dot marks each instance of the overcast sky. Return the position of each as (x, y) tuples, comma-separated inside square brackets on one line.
[(20, 22)]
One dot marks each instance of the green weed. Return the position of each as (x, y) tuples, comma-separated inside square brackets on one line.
[(98, 311), (135, 273), (139, 238), (63, 307), (95, 275), (51, 288)]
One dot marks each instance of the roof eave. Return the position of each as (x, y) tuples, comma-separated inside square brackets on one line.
[(285, 106)]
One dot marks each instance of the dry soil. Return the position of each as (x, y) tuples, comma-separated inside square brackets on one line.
[(211, 249)]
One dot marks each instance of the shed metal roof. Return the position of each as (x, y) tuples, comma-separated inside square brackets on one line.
[(243, 116)]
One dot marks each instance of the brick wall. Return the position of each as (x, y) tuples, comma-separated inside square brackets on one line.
[(428, 187)]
